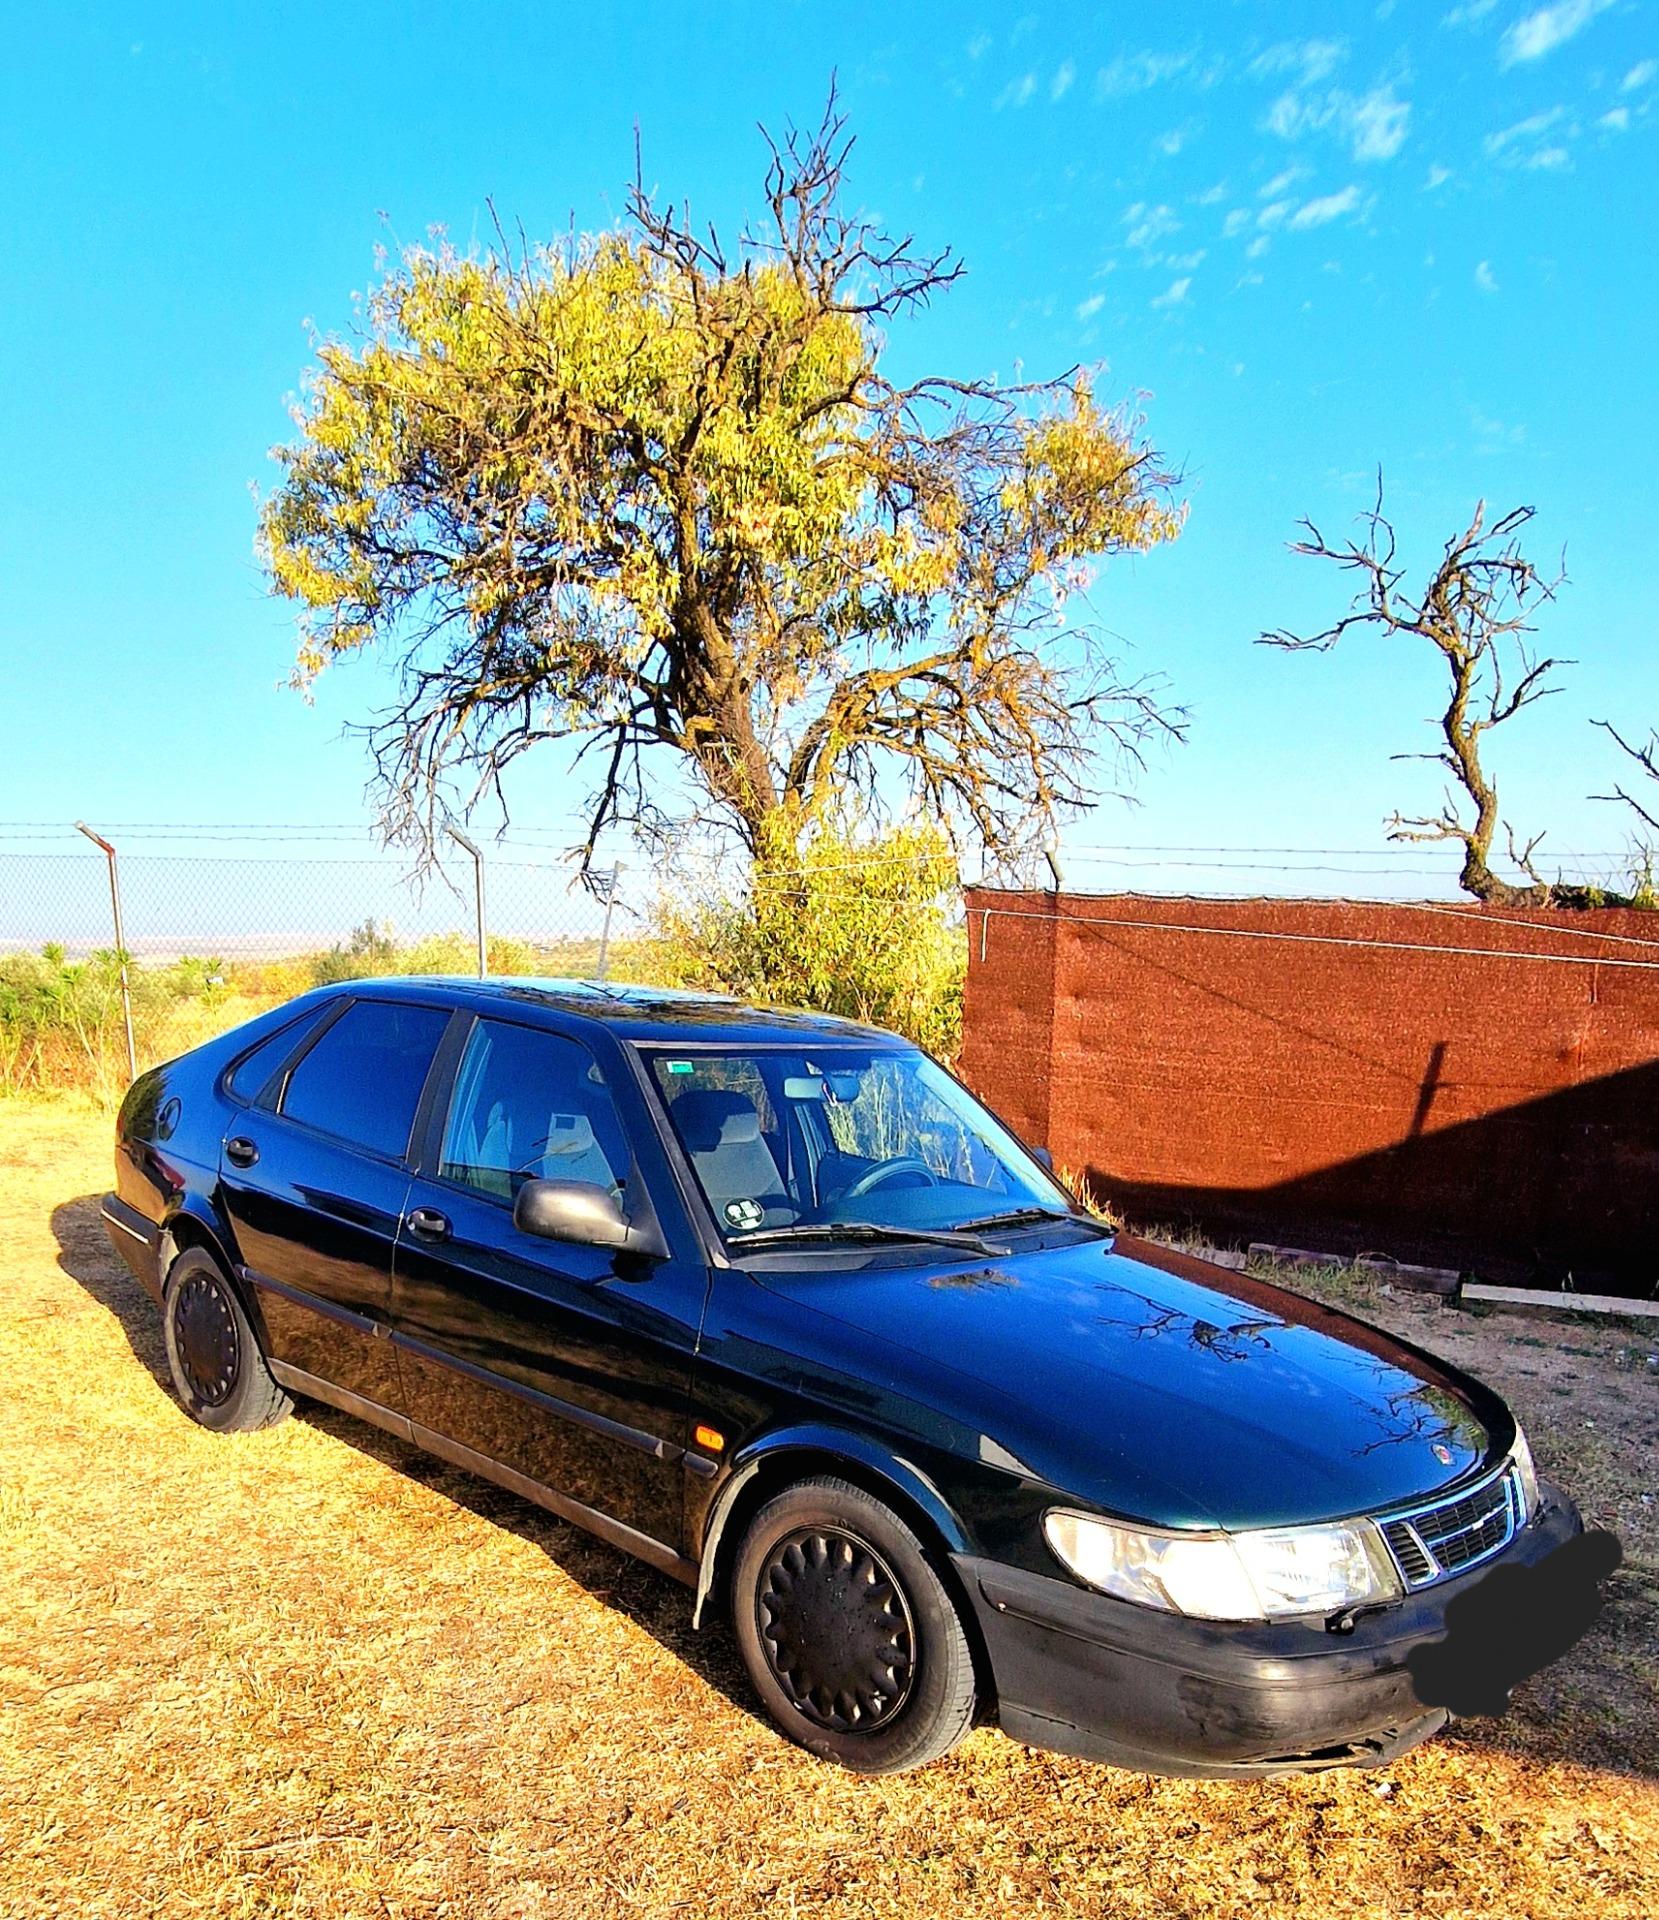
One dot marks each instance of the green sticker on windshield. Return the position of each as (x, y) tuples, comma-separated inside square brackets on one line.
[(681, 1066)]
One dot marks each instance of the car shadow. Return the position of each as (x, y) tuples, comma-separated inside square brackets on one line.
[(659, 1605), (1596, 1707)]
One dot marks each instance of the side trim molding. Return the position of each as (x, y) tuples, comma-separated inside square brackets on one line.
[(314, 1387), (565, 1409), (328, 1309), (614, 1533)]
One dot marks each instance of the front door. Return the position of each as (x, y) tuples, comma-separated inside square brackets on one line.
[(569, 1364), (316, 1187)]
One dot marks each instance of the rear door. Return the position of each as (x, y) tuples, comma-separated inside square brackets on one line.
[(569, 1364), (314, 1179)]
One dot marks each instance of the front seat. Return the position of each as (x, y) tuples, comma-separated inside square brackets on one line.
[(721, 1131)]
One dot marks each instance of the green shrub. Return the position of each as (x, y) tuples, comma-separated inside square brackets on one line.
[(858, 928)]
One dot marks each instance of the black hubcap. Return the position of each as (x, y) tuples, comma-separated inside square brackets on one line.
[(836, 1629), (205, 1337)]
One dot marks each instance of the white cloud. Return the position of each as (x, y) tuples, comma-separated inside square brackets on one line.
[(1615, 120), (1639, 75), (1211, 196), (1257, 247), (1281, 183), (1018, 93), (1090, 307), (1538, 33), (1139, 72), (1310, 60), (1235, 223), (1186, 262), (979, 46), (1467, 15), (1275, 214), (1374, 124), (1175, 294), (1485, 278), (1060, 85), (1437, 177), (1502, 145), (1332, 206), (1172, 142), (1148, 225), (1379, 125), (1549, 160)]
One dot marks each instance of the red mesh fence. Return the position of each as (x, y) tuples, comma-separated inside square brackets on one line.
[(1469, 1086)]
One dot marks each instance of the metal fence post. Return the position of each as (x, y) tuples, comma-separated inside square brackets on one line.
[(120, 943), (461, 840), (610, 886)]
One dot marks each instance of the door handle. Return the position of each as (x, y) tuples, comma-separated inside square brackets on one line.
[(428, 1223), (241, 1152)]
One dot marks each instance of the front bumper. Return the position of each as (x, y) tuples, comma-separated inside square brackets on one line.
[(1084, 1673)]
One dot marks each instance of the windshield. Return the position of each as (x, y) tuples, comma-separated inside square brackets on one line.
[(843, 1136)]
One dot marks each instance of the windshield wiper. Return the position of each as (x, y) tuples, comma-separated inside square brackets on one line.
[(857, 1232), (1033, 1217)]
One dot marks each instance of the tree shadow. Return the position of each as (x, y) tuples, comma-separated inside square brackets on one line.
[(1596, 1707), (659, 1605)]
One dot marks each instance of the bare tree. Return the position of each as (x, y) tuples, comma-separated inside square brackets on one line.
[(1647, 758), (1475, 611)]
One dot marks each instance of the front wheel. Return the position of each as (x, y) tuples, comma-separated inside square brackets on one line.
[(848, 1633), (213, 1353)]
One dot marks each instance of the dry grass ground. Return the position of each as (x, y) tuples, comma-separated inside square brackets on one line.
[(309, 1672)]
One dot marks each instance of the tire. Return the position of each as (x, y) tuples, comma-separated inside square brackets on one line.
[(213, 1353), (849, 1635)]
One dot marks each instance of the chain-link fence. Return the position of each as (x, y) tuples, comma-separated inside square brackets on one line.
[(244, 899), (170, 932)]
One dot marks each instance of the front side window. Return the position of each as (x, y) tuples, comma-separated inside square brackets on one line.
[(362, 1080), (530, 1105), (843, 1136)]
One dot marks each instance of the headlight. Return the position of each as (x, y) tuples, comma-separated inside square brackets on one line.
[(1263, 1575), (1521, 1458)]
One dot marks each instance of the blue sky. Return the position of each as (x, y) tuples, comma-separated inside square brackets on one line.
[(1311, 239)]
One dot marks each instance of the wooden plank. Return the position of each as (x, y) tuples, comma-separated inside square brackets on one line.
[(1442, 1280), (1558, 1302)]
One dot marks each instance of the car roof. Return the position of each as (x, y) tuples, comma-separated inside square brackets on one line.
[(676, 1014)]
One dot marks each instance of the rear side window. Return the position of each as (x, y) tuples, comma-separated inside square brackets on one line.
[(252, 1073), (363, 1078)]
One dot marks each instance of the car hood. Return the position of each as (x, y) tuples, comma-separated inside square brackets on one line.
[(1159, 1386)]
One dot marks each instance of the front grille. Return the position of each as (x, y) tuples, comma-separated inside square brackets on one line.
[(1430, 1542)]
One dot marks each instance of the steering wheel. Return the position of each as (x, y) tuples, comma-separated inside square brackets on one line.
[(880, 1175)]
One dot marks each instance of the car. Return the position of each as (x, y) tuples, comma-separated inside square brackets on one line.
[(771, 1301)]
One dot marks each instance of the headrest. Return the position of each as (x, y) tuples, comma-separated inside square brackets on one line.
[(711, 1117), (569, 1133)]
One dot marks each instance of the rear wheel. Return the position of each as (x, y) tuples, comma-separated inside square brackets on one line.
[(213, 1353), (849, 1635)]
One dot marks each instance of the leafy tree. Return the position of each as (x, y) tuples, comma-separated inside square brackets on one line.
[(852, 926), (1475, 611), (666, 498)]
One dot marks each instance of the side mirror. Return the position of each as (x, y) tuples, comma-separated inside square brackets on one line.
[(585, 1214), (1043, 1158)]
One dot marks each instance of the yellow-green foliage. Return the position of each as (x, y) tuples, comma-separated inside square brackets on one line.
[(859, 929), (637, 487), (61, 1025)]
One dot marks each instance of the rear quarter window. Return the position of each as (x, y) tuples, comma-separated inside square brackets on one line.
[(252, 1074)]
